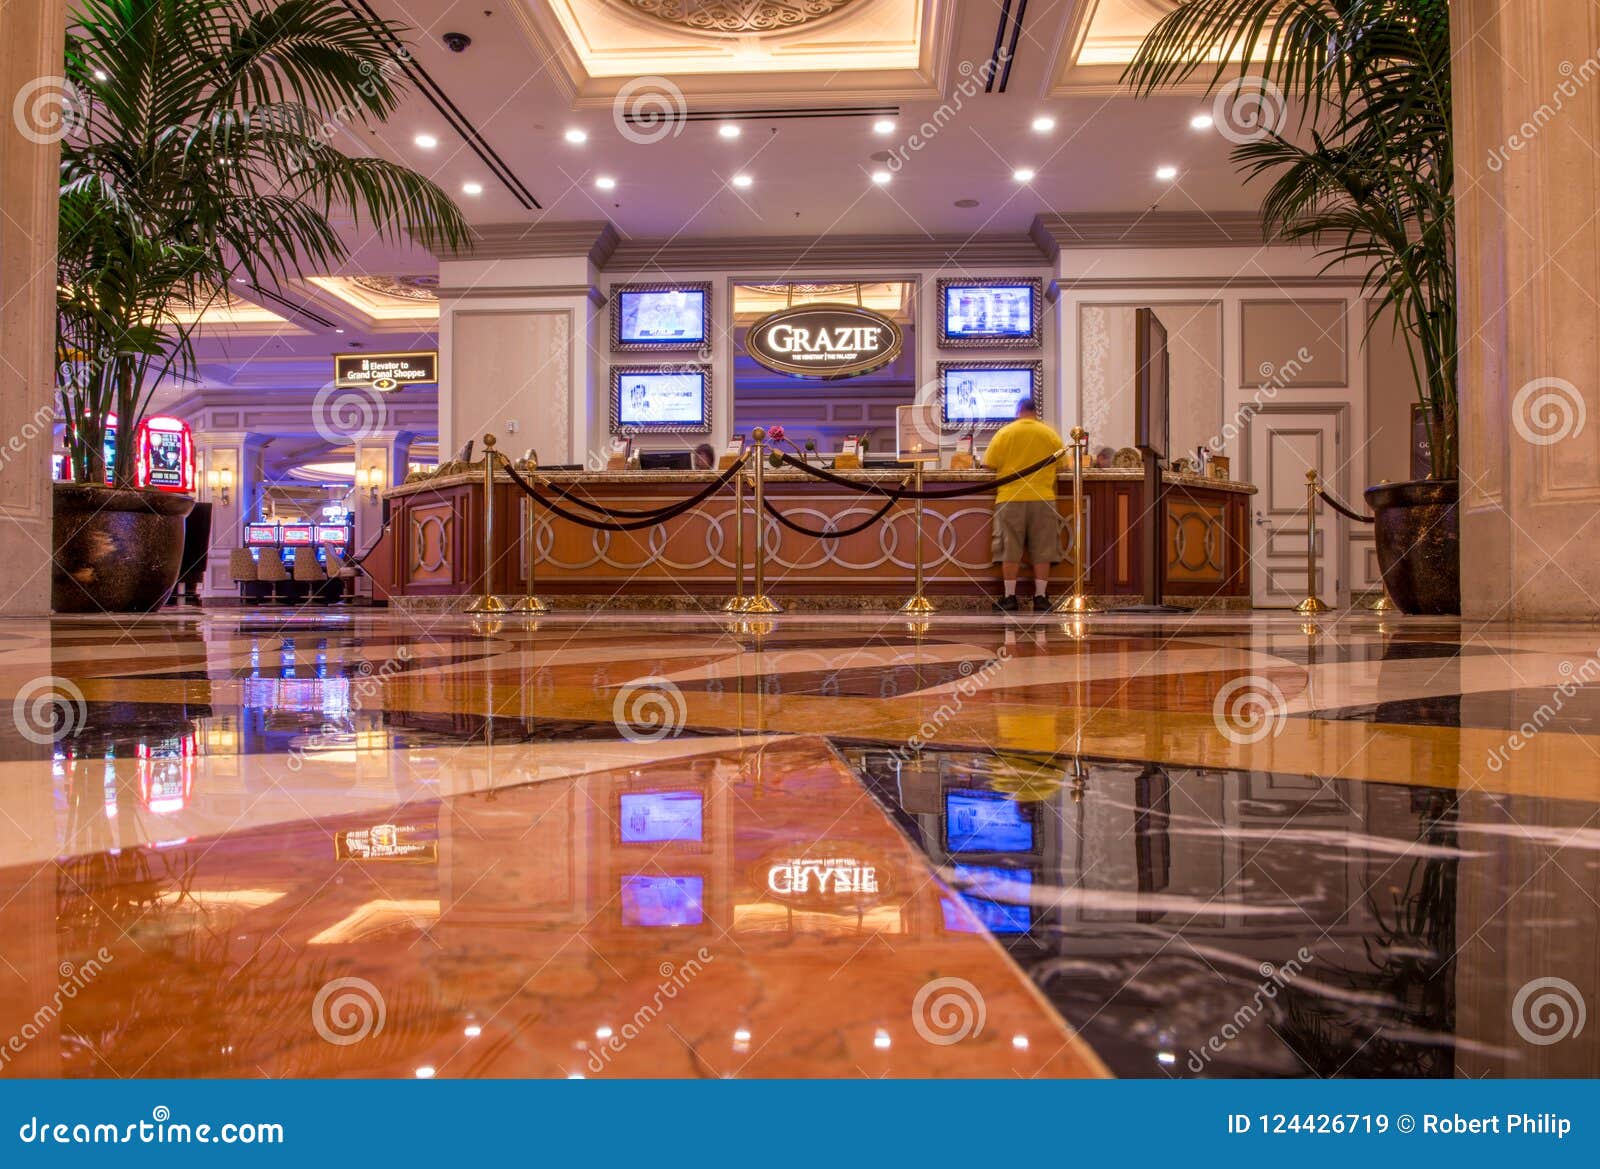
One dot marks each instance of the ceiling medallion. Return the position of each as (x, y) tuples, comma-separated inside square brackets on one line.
[(419, 288), (737, 17)]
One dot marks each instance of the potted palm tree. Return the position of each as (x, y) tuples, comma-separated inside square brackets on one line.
[(1365, 175), (200, 153)]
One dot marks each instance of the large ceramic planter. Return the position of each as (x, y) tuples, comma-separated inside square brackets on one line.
[(1419, 544), (116, 551)]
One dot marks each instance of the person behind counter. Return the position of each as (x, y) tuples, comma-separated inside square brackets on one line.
[(705, 458), (1026, 522)]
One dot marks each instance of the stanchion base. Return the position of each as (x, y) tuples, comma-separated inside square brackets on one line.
[(736, 605), (1075, 604), (530, 605), (919, 604), (761, 603), (1383, 605), (1312, 605), (487, 604)]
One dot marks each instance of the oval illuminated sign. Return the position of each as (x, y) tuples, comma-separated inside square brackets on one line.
[(824, 341)]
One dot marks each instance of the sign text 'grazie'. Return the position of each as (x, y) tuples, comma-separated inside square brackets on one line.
[(824, 340)]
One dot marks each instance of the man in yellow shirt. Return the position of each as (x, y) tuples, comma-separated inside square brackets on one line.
[(1026, 522)]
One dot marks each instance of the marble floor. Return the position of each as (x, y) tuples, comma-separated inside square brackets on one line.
[(275, 843)]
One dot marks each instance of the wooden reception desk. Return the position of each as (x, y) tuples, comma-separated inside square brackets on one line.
[(431, 554)]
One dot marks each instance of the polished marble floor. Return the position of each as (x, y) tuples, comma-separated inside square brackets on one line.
[(268, 843)]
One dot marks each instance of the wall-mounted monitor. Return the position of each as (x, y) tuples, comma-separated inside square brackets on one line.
[(983, 395), (983, 821), (662, 902), (660, 318), (1002, 312), (298, 534), (261, 534), (660, 817), (660, 399)]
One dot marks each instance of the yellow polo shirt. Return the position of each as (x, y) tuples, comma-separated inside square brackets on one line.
[(1020, 444)]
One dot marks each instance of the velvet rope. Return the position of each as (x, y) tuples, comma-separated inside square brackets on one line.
[(766, 505), (938, 493), (1345, 511), (672, 511)]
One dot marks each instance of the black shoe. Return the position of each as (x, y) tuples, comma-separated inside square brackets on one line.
[(1042, 604), (1006, 604)]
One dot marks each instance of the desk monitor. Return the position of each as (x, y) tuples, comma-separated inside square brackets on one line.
[(666, 460)]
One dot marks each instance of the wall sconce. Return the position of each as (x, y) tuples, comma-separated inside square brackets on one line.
[(221, 483), (372, 480)]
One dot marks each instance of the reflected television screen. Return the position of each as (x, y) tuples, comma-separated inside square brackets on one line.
[(980, 821), (662, 901), (654, 817), (998, 917)]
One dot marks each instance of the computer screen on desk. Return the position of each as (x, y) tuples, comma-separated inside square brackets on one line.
[(666, 460)]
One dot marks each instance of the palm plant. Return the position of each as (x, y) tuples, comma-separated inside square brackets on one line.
[(1372, 184), (202, 152)]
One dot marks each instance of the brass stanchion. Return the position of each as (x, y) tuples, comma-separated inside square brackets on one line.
[(487, 602), (738, 603), (1078, 602), (1313, 604), (759, 602), (530, 602), (919, 602), (1383, 604)]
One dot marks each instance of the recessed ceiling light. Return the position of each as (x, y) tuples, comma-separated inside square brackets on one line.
[(883, 126), (1022, 175), (472, 188), (605, 183), (742, 180), (1043, 124), (1200, 122), (577, 137), (881, 177), (1166, 173), (338, 330), (729, 130), (426, 141), (966, 204)]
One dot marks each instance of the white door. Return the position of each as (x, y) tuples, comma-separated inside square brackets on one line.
[(1284, 443)]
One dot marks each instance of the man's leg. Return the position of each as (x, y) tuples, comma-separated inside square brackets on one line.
[(1008, 550)]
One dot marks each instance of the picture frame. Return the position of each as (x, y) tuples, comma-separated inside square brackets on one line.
[(953, 307), (627, 300)]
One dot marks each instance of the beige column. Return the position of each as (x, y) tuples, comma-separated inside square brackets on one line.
[(1527, 121), (34, 99)]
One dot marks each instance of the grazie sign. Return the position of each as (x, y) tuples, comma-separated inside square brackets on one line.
[(386, 371), (824, 340)]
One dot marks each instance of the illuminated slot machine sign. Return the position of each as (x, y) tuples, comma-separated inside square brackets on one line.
[(63, 462), (261, 535), (336, 534), (165, 454), (298, 535)]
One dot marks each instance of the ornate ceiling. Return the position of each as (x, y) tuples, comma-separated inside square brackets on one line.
[(737, 17)]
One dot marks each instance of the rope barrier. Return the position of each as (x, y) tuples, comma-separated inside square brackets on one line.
[(937, 493), (1345, 511), (672, 511), (614, 512), (840, 533)]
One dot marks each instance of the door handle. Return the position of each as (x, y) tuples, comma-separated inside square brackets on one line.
[(1261, 520)]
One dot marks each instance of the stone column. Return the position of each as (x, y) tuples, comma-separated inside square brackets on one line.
[(35, 101), (1527, 122)]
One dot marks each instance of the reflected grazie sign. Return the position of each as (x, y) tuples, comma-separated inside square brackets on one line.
[(824, 340)]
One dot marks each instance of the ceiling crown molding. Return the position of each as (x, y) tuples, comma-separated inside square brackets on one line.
[(594, 238), (804, 253), (1154, 229)]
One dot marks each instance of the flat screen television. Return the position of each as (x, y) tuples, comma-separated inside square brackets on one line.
[(661, 400), (997, 899), (978, 395), (333, 534), (296, 534), (991, 313), (660, 817), (662, 902), (985, 821), (660, 317), (257, 534)]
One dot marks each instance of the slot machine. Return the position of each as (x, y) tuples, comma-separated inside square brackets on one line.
[(164, 455), (295, 539), (259, 536), (63, 461)]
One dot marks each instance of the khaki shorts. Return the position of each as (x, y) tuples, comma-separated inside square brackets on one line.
[(1027, 529)]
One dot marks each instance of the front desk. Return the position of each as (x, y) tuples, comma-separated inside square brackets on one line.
[(432, 556)]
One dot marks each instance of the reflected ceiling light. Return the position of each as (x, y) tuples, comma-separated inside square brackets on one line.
[(606, 183), (1043, 124), (742, 180), (1166, 173), (472, 188), (1022, 175), (881, 177), (883, 126), (426, 141), (729, 130), (1200, 122), (1020, 1042), (881, 1040), (602, 1032), (472, 1031), (577, 137), (425, 1072)]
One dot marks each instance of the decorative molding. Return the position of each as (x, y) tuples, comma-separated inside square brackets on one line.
[(736, 17), (654, 256), (594, 238), (1054, 233), (523, 292), (1208, 283)]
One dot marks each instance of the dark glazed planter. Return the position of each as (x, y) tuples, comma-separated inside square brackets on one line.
[(1419, 544), (115, 551)]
